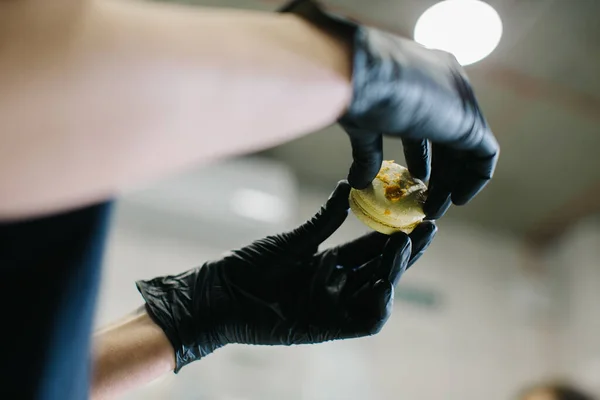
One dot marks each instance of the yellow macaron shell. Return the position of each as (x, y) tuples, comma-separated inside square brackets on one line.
[(393, 202)]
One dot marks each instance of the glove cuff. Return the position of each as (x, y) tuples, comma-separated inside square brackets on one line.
[(312, 12), (171, 307)]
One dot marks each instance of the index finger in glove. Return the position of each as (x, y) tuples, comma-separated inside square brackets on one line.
[(457, 176), (443, 165), (367, 154), (480, 145), (416, 154), (477, 172), (402, 251), (395, 257), (421, 237)]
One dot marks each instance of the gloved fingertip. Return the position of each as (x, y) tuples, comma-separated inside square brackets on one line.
[(420, 173), (395, 257), (461, 199), (478, 171), (424, 229), (367, 155), (421, 238), (437, 204), (418, 170), (360, 175), (465, 192), (399, 241), (418, 158)]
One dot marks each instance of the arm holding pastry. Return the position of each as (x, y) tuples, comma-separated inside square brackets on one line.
[(276, 291)]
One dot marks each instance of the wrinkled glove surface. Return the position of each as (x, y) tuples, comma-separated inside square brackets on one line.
[(422, 96), (282, 291)]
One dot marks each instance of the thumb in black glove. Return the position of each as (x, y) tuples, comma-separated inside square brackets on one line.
[(281, 291)]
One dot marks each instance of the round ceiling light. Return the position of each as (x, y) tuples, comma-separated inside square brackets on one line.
[(469, 29)]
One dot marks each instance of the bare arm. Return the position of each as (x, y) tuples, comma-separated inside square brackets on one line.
[(100, 95), (129, 354)]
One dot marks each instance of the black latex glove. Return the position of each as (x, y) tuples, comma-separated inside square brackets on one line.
[(404, 90), (281, 291)]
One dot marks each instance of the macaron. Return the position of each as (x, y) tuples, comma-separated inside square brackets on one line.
[(392, 203)]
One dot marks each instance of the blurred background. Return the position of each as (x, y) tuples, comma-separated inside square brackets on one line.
[(507, 295)]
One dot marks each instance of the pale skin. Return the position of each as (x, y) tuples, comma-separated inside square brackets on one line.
[(540, 394), (128, 354), (101, 96)]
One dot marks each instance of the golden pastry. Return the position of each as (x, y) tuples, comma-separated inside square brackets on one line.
[(393, 202)]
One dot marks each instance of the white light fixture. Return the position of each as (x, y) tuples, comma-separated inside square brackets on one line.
[(259, 206), (469, 29)]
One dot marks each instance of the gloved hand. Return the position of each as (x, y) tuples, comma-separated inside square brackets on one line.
[(281, 291), (404, 90)]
